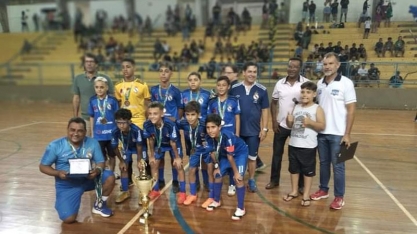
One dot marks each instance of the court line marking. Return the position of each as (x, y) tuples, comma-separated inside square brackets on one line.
[(141, 211), (384, 134), (398, 203), (19, 126)]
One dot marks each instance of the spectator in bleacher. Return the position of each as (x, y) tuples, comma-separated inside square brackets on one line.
[(388, 46), (246, 19), (169, 27), (327, 10), (396, 81), (24, 22), (379, 47), (275, 74), (298, 53), (147, 27), (329, 48), (228, 48), (201, 47), (100, 58), (388, 15), (304, 11), (188, 12), (334, 6), (321, 49), (362, 18), (216, 12), (185, 29), (231, 15), (362, 76), (347, 51), (194, 55), (365, 6), (154, 66), (111, 45), (26, 48), (265, 14), (192, 23), (353, 66), (241, 54), (218, 47), (344, 5), (318, 70), (353, 51), (338, 47), (158, 49), (264, 54), (312, 12), (308, 67), (130, 48), (176, 61), (367, 23), (378, 18), (306, 37), (343, 59), (185, 55), (35, 19), (169, 13), (373, 74), (211, 68), (315, 51), (298, 35), (399, 47), (362, 52), (209, 31)]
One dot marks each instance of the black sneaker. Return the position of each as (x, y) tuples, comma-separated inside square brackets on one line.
[(161, 184), (175, 186)]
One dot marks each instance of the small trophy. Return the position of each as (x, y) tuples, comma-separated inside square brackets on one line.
[(144, 183)]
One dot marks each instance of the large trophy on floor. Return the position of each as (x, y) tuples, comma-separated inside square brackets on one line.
[(144, 183)]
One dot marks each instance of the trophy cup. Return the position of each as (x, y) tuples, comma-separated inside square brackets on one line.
[(144, 183)]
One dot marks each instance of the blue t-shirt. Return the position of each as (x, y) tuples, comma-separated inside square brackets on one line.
[(230, 144), (102, 132), (59, 152), (251, 105), (201, 97), (198, 134), (169, 133), (129, 141), (231, 109), (170, 97)]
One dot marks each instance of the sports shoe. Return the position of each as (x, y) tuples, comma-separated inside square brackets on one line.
[(207, 203), (154, 194), (319, 195), (213, 206), (252, 186), (175, 186), (100, 207), (122, 197), (231, 191), (337, 203), (190, 199), (260, 167), (239, 213), (181, 198)]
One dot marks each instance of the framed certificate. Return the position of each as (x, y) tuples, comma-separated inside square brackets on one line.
[(79, 167)]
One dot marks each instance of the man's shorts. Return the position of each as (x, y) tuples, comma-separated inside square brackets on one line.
[(253, 145), (302, 161)]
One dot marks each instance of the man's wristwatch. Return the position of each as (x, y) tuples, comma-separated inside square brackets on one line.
[(216, 165), (265, 129)]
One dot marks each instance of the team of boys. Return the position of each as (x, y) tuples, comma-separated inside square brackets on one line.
[(148, 124)]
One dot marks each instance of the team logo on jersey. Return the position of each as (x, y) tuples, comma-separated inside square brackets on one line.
[(237, 96), (89, 154), (229, 108), (200, 100), (108, 106), (169, 97), (136, 90), (255, 97), (185, 100), (335, 92)]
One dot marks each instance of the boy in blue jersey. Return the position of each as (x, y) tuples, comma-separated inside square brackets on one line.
[(194, 134), (101, 110), (162, 135), (170, 97), (202, 96), (229, 110), (253, 99), (130, 139), (76, 145), (227, 151)]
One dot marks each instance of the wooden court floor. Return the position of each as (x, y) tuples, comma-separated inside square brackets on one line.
[(380, 185)]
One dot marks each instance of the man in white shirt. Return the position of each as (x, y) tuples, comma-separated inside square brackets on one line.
[(362, 76), (285, 92), (336, 95)]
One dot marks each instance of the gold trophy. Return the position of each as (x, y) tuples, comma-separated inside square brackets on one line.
[(144, 183)]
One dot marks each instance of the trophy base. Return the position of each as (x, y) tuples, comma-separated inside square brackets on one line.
[(144, 219)]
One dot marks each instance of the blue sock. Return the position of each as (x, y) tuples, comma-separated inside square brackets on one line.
[(161, 174), (156, 187), (182, 186), (205, 176), (217, 191), (240, 197), (232, 181), (125, 183), (197, 177), (174, 174), (211, 190), (193, 189)]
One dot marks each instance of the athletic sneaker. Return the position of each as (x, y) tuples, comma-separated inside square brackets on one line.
[(190, 199), (101, 209), (207, 203), (181, 198), (260, 167), (319, 195), (252, 186), (337, 203), (213, 206), (122, 196), (154, 194), (239, 213), (232, 190), (175, 186)]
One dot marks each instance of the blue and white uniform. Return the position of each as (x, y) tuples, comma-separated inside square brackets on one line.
[(129, 141), (228, 109), (195, 137), (170, 98)]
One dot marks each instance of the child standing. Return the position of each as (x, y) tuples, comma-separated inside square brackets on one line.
[(368, 24), (306, 120), (130, 138), (101, 109), (227, 152), (163, 135)]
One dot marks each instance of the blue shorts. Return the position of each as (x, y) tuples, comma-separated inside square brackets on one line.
[(170, 150), (197, 158), (68, 195), (131, 152), (253, 145), (240, 160)]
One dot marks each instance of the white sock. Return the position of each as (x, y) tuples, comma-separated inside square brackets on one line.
[(104, 198)]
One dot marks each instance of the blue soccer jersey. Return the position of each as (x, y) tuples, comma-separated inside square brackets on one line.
[(169, 132), (230, 144), (227, 109), (170, 98), (129, 141), (59, 152), (103, 110), (202, 96), (194, 137), (251, 104)]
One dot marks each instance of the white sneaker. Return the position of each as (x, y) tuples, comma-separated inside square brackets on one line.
[(231, 191), (213, 206), (239, 213)]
